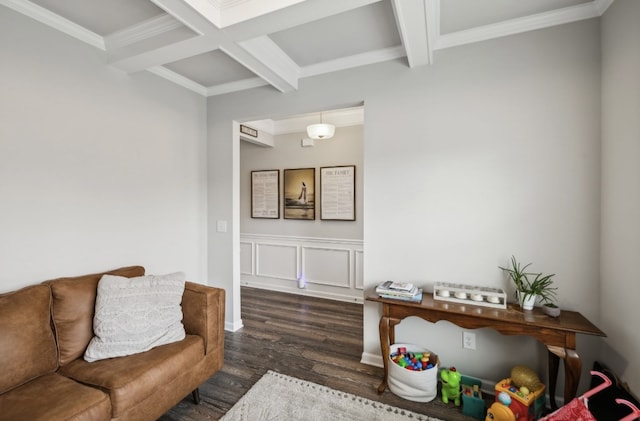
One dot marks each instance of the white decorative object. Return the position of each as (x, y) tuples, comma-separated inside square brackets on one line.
[(470, 294), (321, 130), (527, 301), (133, 315), (417, 386)]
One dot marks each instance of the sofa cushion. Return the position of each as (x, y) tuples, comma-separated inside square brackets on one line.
[(55, 397), (131, 379), (136, 314), (74, 300), (27, 346)]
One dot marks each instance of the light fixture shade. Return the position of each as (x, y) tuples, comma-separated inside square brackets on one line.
[(321, 131)]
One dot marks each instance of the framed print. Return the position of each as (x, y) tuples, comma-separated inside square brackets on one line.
[(299, 193), (265, 194), (338, 193)]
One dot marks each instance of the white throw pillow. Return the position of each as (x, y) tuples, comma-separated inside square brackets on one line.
[(133, 315)]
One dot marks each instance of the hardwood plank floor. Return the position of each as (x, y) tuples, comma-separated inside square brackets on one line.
[(309, 338)]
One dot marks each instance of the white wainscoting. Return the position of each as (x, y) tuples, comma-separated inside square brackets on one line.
[(330, 268)]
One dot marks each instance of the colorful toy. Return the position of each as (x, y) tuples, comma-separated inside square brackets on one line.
[(522, 376), (524, 404), (416, 361), (499, 410), (450, 385), (473, 403)]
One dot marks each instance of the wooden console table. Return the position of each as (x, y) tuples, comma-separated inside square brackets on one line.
[(558, 335)]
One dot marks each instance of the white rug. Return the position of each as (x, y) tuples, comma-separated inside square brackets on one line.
[(278, 397)]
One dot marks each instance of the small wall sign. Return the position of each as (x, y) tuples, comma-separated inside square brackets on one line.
[(248, 130)]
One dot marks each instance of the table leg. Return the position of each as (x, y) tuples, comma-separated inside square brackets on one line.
[(572, 367), (554, 364), (387, 337), (384, 349)]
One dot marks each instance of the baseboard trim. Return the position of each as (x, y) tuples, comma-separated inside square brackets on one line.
[(305, 291), (233, 326)]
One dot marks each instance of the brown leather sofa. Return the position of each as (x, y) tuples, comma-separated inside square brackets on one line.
[(45, 329)]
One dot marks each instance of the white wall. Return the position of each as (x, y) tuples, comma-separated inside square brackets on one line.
[(621, 188), (494, 150), (98, 169)]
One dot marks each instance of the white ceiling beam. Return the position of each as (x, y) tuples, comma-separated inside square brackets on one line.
[(147, 29), (131, 61), (267, 52), (289, 17), (55, 21), (189, 17), (519, 25), (269, 65), (412, 24)]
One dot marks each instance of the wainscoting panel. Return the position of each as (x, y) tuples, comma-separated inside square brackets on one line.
[(246, 258), (277, 261), (359, 268), (326, 266), (320, 267)]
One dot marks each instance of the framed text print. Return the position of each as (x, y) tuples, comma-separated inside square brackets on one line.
[(265, 194), (338, 193)]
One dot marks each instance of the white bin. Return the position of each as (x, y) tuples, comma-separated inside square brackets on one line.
[(418, 386)]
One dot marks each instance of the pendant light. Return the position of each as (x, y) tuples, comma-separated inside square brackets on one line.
[(321, 131)]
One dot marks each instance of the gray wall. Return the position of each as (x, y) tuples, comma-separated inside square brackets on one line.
[(620, 288), (98, 169), (494, 150), (345, 148)]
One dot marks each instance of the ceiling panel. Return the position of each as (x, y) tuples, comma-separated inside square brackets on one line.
[(372, 27), (458, 15), (100, 16), (182, 42), (211, 68)]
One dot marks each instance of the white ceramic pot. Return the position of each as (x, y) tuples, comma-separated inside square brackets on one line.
[(527, 301)]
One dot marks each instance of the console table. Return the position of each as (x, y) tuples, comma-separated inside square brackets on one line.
[(557, 334)]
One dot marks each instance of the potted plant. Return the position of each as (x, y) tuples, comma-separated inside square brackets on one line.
[(528, 291), (551, 309), (541, 287)]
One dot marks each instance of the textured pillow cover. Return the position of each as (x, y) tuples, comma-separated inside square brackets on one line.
[(133, 315)]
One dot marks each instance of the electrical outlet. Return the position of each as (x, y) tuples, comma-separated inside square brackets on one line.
[(469, 340)]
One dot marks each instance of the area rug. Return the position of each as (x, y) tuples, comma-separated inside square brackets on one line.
[(280, 397)]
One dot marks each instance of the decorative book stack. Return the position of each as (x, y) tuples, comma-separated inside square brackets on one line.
[(396, 290)]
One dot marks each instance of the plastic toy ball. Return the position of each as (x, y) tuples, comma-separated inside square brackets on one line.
[(504, 398)]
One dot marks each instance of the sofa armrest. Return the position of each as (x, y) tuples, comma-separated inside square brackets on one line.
[(203, 309)]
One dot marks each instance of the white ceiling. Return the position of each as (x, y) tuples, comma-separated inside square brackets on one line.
[(219, 46)]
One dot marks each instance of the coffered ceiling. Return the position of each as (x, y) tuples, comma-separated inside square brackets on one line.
[(218, 46)]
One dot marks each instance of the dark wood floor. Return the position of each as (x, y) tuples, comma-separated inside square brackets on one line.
[(309, 338)]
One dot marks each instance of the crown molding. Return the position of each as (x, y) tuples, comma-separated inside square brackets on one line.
[(602, 5), (371, 57), (238, 85), (174, 77), (519, 25), (55, 21), (149, 28)]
